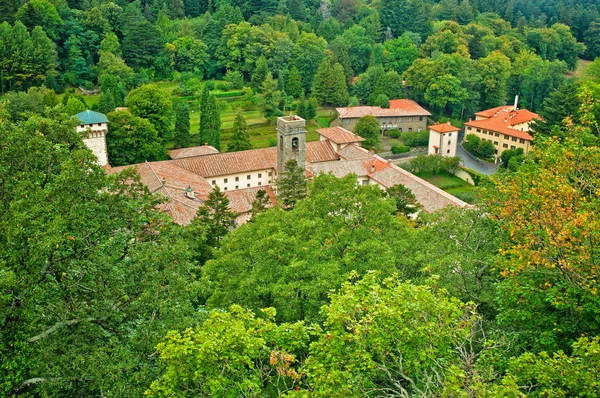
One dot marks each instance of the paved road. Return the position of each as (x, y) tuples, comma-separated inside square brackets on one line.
[(471, 162)]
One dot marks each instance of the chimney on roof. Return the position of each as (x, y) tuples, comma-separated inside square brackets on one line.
[(516, 102), (206, 144), (470, 119), (448, 123), (189, 193), (372, 168)]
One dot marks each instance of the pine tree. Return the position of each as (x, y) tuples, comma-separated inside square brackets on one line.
[(294, 83), (329, 85), (181, 137), (216, 216), (210, 123), (261, 202), (240, 139), (106, 102), (297, 10), (291, 185), (260, 72), (311, 108), (8, 10), (43, 60), (302, 108)]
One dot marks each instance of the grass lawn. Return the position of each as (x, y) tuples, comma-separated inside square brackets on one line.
[(581, 71), (451, 184)]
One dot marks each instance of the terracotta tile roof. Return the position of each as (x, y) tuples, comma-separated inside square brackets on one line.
[(360, 111), (409, 106), (491, 112), (351, 152), (192, 151), (320, 151), (240, 200), (342, 168), (230, 162), (428, 195), (339, 135), (443, 127), (502, 118)]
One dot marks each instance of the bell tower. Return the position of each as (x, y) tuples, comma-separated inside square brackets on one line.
[(291, 141)]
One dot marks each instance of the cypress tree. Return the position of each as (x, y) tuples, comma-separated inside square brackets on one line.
[(182, 125), (216, 215), (210, 123), (294, 83), (260, 203), (311, 109), (302, 108), (329, 85), (240, 139)]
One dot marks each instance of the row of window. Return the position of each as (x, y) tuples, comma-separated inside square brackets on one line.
[(248, 177), (506, 137)]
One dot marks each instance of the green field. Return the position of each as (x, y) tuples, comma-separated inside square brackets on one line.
[(451, 184), (581, 71)]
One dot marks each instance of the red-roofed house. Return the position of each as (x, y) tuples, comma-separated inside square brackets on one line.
[(504, 126), (443, 139), (403, 114)]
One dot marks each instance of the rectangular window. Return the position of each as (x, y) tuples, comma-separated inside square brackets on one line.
[(237, 178), (495, 142), (214, 182), (248, 177), (269, 181), (449, 142), (248, 185), (521, 140), (225, 180), (237, 186), (497, 134), (259, 183), (365, 182), (512, 147), (270, 173), (469, 128), (484, 132), (504, 145), (420, 118), (225, 189), (259, 175), (514, 139)]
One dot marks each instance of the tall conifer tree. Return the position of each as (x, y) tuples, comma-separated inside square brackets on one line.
[(181, 137), (240, 139)]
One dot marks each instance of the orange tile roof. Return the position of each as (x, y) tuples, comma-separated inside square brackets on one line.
[(443, 127), (192, 151), (428, 195), (240, 200), (320, 151), (339, 135), (409, 106), (360, 111), (502, 118)]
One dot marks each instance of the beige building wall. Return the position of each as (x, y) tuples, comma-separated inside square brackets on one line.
[(402, 123), (94, 137), (501, 141), (250, 179)]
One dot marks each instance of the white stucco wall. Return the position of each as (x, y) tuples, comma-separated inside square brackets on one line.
[(244, 180), (446, 142)]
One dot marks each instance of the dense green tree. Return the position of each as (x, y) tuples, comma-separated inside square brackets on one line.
[(106, 102), (90, 275), (8, 11), (151, 103), (236, 78), (406, 202), (399, 54), (291, 184), (216, 216), (297, 10), (189, 55), (293, 85), (112, 84), (114, 66), (74, 106), (132, 139), (405, 15), (260, 203), (329, 84), (260, 72), (561, 103), (310, 50), (446, 93), (318, 243), (509, 155), (311, 108), (240, 139), (181, 137), (592, 40), (142, 41), (41, 13), (210, 122), (241, 46), (495, 71), (368, 128)]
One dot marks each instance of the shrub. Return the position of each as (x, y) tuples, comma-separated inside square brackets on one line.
[(399, 148), (415, 138), (236, 78), (451, 185), (272, 141), (223, 86), (395, 133), (466, 196), (210, 84)]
